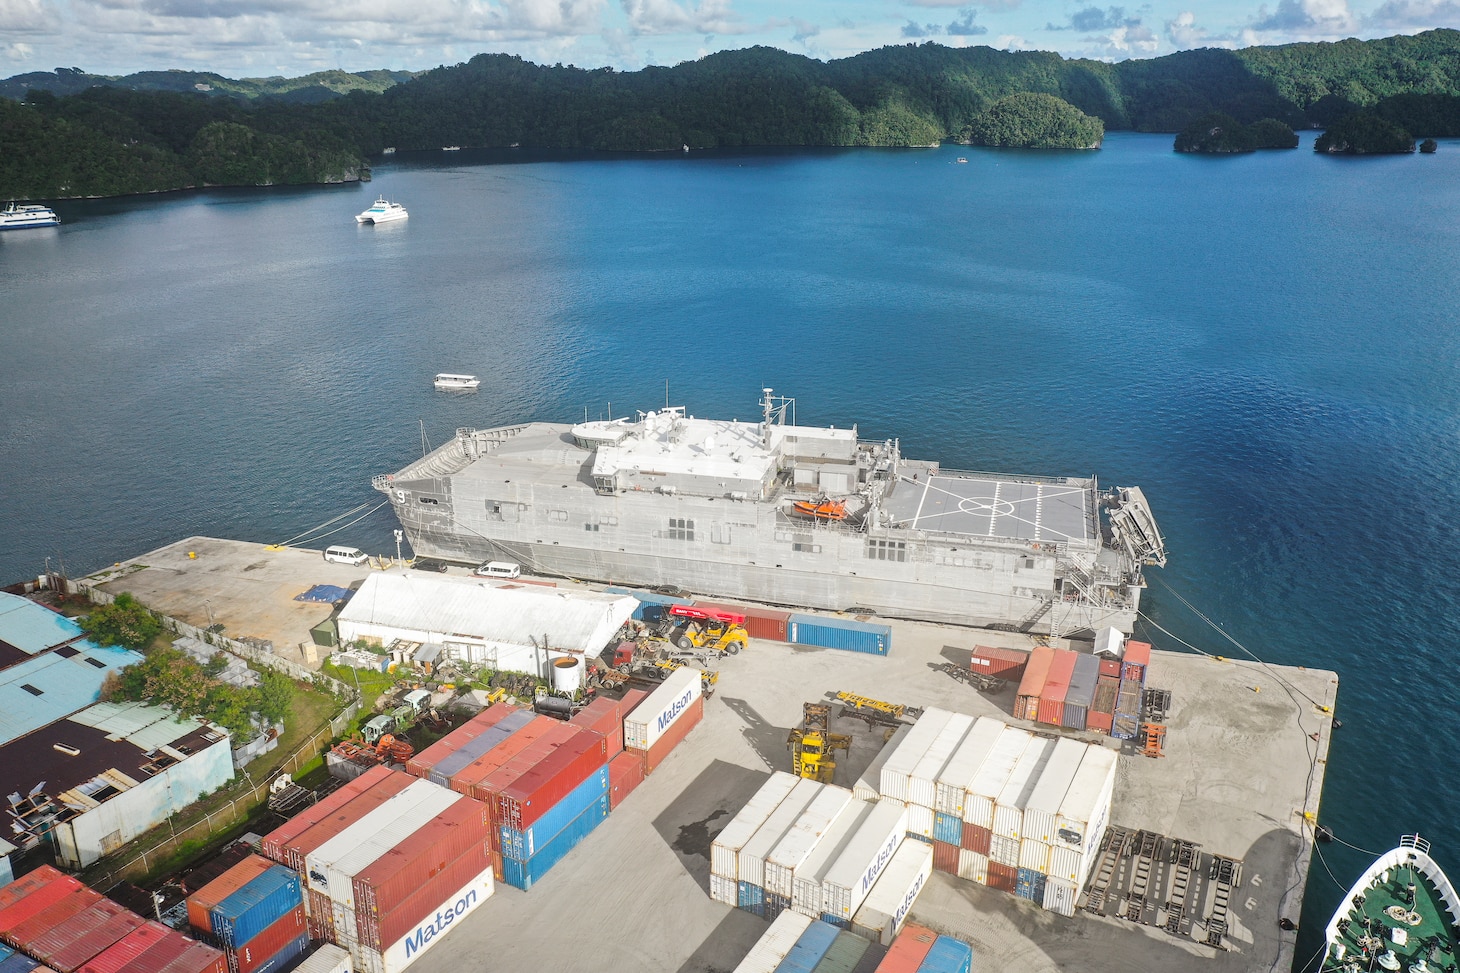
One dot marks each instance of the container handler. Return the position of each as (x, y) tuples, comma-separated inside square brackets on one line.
[(813, 746), (687, 627)]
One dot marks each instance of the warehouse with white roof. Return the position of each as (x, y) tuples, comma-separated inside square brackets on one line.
[(519, 628)]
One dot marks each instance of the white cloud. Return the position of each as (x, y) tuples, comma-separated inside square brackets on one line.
[(1010, 42), (1306, 19), (24, 16), (1413, 15), (668, 17), (805, 30)]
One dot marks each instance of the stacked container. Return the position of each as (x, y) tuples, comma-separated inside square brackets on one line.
[(1079, 827), (255, 911), (979, 799), (665, 717), (750, 863), (1101, 718), (806, 880), (760, 623), (922, 782), (606, 715), (421, 764), (897, 770), (468, 750), (74, 940), (725, 849), (770, 951), (908, 950), (998, 663), (1036, 673), (1081, 693), (1056, 688), (869, 786), (803, 851), (840, 633), (329, 958), (883, 912), (859, 866)]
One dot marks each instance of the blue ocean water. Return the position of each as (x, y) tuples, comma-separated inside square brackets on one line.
[(1266, 344)]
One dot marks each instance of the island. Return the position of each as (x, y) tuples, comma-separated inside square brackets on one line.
[(1218, 133), (1030, 120), (1364, 134)]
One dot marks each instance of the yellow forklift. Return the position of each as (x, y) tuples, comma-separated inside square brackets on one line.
[(813, 746)]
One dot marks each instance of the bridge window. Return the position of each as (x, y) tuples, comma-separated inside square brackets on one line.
[(880, 550), (681, 529)]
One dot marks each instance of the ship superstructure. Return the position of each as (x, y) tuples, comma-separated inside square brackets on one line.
[(784, 514)]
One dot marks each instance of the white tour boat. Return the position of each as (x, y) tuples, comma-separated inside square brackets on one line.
[(383, 211), (447, 382), (15, 217)]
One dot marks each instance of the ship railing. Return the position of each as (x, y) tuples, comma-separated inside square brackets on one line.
[(1084, 481)]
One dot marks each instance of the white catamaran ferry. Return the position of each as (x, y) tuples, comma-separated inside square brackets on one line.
[(14, 217), (382, 211)]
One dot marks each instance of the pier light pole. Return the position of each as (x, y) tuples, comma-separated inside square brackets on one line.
[(399, 536)]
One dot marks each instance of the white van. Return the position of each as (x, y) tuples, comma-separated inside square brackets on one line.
[(498, 569), (345, 555)]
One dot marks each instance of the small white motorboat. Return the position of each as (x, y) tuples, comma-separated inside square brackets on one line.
[(449, 382)]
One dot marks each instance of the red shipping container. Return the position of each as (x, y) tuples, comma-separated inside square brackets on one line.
[(760, 623), (73, 902), (274, 842), (1052, 698), (976, 838), (71, 943), (672, 737), (128, 948), (300, 848), (379, 931), (908, 950), (1026, 703), (1109, 667), (604, 715), (497, 872), (550, 780), (625, 772), (1136, 661), (1099, 722), (161, 955), (508, 770), (473, 779), (261, 948), (1005, 878), (30, 882), (321, 915), (202, 902), (39, 896), (420, 765), (196, 958), (457, 830), (1007, 664), (945, 857)]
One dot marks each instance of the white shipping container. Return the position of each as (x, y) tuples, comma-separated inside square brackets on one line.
[(983, 790), (1034, 855), (964, 764), (973, 867), (869, 786), (659, 710), (898, 766), (920, 821), (430, 931), (341, 872), (1066, 864), (1090, 792), (806, 882), (1043, 808), (1059, 896), (753, 852), (815, 823), (1009, 805), (922, 782), (726, 890), (771, 949), (725, 850), (329, 958), (849, 879), (1003, 850), (316, 864), (887, 905)]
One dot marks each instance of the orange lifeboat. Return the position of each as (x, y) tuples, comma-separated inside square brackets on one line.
[(821, 509)]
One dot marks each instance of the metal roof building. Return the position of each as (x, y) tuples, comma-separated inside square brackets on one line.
[(518, 627), (49, 683), (30, 628)]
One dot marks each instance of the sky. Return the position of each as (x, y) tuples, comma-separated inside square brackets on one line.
[(263, 38)]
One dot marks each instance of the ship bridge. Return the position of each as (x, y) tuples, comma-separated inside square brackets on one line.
[(989, 506)]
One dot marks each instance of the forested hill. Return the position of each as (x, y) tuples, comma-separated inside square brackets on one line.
[(110, 139)]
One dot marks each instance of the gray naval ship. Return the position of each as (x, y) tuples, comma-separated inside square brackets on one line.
[(783, 514)]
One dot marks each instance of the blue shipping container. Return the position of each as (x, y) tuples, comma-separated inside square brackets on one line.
[(5, 951), (751, 898), (522, 845), (775, 905), (284, 956), (256, 906), (522, 875), (1031, 885), (947, 828), (18, 963), (809, 949), (840, 633), (919, 836), (650, 604), (474, 748), (948, 955), (837, 921)]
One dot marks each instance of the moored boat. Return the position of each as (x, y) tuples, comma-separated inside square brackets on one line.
[(451, 382), (382, 211), (14, 217), (1400, 916)]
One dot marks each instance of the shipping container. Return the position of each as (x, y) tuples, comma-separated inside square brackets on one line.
[(520, 844), (869, 786), (993, 774), (158, 952), (1102, 709), (1136, 662), (1009, 805), (297, 850), (901, 763), (128, 948), (604, 715), (948, 955), (920, 822), (891, 898), (945, 857), (806, 896), (1056, 686), (840, 633), (856, 868), (19, 963), (809, 949), (725, 849), (1003, 877), (275, 841), (420, 765), (775, 905), (1066, 864), (760, 623), (830, 818), (318, 907), (430, 930), (725, 890), (461, 829), (1030, 886), (965, 762), (768, 952), (845, 952), (259, 904), (39, 895), (276, 945), (202, 902), (397, 917), (523, 875), (975, 838), (1034, 856), (72, 903), (651, 603), (922, 780), (947, 828), (1004, 851), (1043, 806), (751, 898), (751, 861), (625, 773), (999, 663), (1060, 896), (1081, 692), (319, 862), (74, 940), (193, 958), (673, 736), (1109, 667), (652, 718), (1031, 686), (553, 779), (908, 950), (1086, 809), (973, 866), (485, 776), (41, 878), (329, 958), (470, 750)]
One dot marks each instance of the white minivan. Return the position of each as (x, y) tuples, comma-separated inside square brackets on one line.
[(498, 569), (345, 555)]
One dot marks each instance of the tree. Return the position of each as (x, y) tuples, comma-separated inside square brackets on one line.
[(1364, 134), (125, 622), (274, 695), (1031, 120)]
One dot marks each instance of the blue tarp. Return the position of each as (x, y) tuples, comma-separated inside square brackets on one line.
[(330, 594)]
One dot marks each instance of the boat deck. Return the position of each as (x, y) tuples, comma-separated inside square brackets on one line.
[(990, 506), (1385, 909)]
